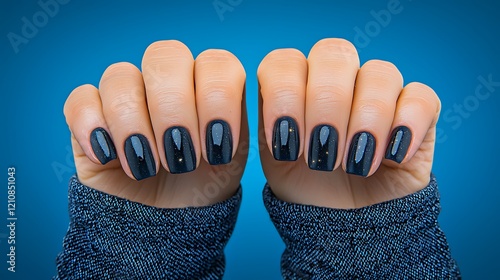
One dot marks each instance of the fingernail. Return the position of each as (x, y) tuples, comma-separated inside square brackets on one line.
[(361, 154), (102, 145), (139, 157), (400, 142), (286, 141), (219, 142), (179, 151), (323, 148)]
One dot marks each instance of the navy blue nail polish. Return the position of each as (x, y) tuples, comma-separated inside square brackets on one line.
[(219, 142), (179, 151), (285, 140), (139, 157), (102, 145), (361, 154), (400, 142), (323, 148)]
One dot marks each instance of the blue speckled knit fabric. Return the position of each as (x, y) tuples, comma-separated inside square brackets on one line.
[(399, 239), (112, 238)]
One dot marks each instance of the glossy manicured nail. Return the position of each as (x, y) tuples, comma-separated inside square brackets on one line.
[(102, 145), (323, 148), (219, 141), (286, 141), (139, 157), (400, 142), (179, 150), (361, 154)]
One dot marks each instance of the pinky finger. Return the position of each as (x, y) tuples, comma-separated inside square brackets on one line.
[(417, 112), (83, 112)]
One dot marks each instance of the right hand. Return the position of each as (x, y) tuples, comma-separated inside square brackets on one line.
[(328, 95), (173, 91)]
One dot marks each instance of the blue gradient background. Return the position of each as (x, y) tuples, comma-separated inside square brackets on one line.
[(445, 45)]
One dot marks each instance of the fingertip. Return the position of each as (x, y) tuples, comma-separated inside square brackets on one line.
[(119, 70), (337, 48), (158, 48), (277, 58)]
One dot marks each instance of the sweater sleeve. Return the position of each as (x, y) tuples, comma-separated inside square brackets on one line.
[(113, 238), (398, 239)]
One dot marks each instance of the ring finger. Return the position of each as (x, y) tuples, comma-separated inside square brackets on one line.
[(124, 107), (378, 86)]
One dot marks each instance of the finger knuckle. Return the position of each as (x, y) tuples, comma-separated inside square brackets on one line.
[(169, 99), (170, 92), (73, 99), (290, 89), (160, 55), (220, 64), (126, 102), (280, 57), (381, 69), (84, 110), (335, 45), (328, 91), (166, 46), (285, 55), (424, 95), (380, 64), (120, 69), (214, 95), (285, 97), (375, 107), (326, 104), (216, 55), (85, 88)]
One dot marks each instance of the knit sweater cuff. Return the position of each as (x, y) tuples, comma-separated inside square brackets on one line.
[(388, 240), (113, 238)]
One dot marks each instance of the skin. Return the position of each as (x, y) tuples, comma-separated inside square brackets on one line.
[(327, 87)]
